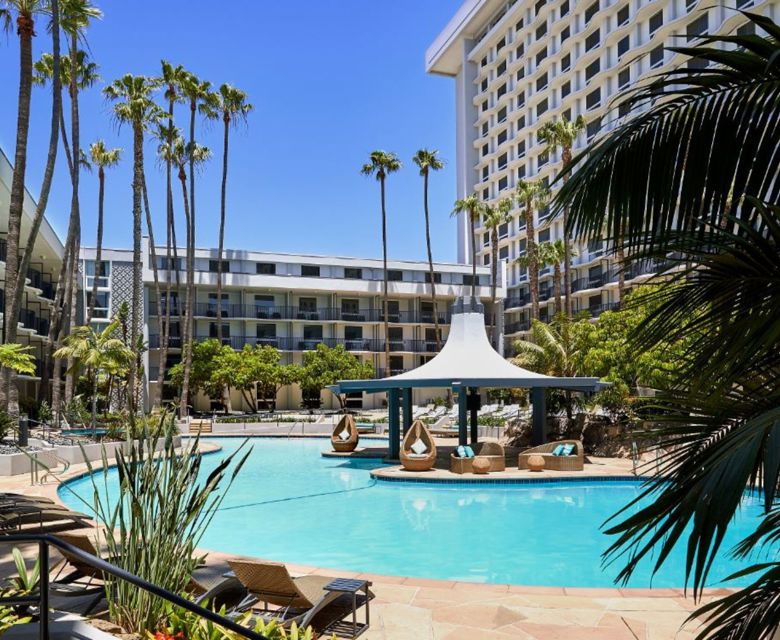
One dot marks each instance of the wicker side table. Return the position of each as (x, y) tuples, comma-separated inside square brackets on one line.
[(480, 465), (535, 462)]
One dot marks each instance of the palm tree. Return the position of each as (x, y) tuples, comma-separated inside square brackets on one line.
[(25, 12), (381, 164), (495, 216), (429, 161), (103, 159), (16, 356), (97, 351), (472, 207), (653, 182), (554, 134), (532, 195), (134, 105), (195, 92), (554, 253)]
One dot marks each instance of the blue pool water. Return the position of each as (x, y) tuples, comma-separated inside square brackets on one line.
[(290, 504)]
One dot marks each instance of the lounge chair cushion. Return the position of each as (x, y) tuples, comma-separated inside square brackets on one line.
[(417, 456), (461, 451), (419, 447), (558, 451), (469, 451), (344, 435), (568, 449)]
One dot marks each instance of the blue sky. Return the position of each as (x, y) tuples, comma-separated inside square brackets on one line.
[(330, 81)]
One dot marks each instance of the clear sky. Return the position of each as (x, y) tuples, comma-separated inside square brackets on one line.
[(330, 82)]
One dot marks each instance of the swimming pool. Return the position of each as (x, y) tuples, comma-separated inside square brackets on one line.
[(290, 504)]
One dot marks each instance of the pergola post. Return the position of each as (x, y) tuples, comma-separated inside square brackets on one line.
[(407, 408), (394, 424), (539, 418), (474, 410), (462, 416)]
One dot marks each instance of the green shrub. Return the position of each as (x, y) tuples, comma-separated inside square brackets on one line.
[(7, 424)]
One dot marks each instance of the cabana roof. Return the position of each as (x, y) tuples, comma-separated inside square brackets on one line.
[(467, 359)]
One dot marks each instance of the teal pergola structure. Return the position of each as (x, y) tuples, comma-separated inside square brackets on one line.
[(466, 364)]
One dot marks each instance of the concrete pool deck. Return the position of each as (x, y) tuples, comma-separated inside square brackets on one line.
[(420, 609)]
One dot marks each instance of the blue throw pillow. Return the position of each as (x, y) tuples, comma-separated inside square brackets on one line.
[(469, 452), (568, 449), (559, 450), (461, 451)]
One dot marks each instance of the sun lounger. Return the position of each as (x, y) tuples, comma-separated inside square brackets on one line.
[(573, 462), (274, 593), (418, 450), (22, 514)]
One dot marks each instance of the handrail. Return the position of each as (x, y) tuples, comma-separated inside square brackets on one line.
[(45, 540)]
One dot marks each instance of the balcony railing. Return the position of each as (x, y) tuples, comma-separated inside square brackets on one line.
[(591, 282), (516, 327)]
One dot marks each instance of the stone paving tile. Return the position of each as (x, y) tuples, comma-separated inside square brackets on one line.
[(642, 604), (558, 632), (478, 616)]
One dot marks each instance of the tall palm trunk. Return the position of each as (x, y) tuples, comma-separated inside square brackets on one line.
[(533, 263), (190, 267), (473, 222), (384, 276), (135, 307), (70, 379), (220, 247), (187, 338), (493, 283), (557, 286), (157, 398), (565, 160), (430, 262), (98, 242), (25, 29)]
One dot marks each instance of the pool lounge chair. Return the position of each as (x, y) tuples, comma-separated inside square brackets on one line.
[(573, 462), (493, 451), (418, 450), (75, 578), (275, 594), (44, 515), (345, 435)]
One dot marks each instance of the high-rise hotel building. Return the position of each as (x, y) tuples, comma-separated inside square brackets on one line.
[(518, 64)]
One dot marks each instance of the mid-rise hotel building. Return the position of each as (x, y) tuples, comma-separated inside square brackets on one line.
[(518, 64)]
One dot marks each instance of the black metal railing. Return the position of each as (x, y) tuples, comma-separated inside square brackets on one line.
[(516, 327), (41, 598)]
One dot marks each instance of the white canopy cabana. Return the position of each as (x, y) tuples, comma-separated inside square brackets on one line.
[(466, 362)]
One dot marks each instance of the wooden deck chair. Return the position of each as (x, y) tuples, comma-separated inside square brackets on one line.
[(418, 450), (345, 434)]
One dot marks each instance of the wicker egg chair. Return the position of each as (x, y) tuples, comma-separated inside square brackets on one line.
[(411, 460), (344, 444)]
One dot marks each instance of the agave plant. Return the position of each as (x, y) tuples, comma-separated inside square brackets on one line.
[(691, 182)]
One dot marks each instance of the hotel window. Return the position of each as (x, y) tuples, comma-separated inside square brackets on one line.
[(312, 332), (541, 82), (541, 108), (265, 268), (484, 129), (168, 264), (564, 8), (263, 306), (307, 305), (486, 259), (624, 78), (394, 275), (485, 193), (104, 271), (350, 307), (566, 62), (502, 159), (747, 29), (521, 149), (266, 333), (656, 20), (690, 4), (592, 41), (436, 277), (484, 85), (214, 266), (503, 253), (697, 63), (592, 69), (622, 46), (521, 172), (623, 109), (544, 234), (520, 124), (310, 271), (567, 115), (622, 16), (500, 44), (353, 273), (697, 27), (539, 6), (521, 247), (503, 230), (101, 306), (656, 57), (485, 105), (485, 239), (501, 115), (483, 62), (212, 307), (485, 173), (520, 51), (593, 99), (541, 56), (542, 159), (520, 73), (485, 149), (519, 25), (565, 34), (503, 183), (225, 332), (501, 91), (541, 30), (396, 334), (501, 139), (501, 69), (521, 100), (565, 89), (593, 128), (591, 11)]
